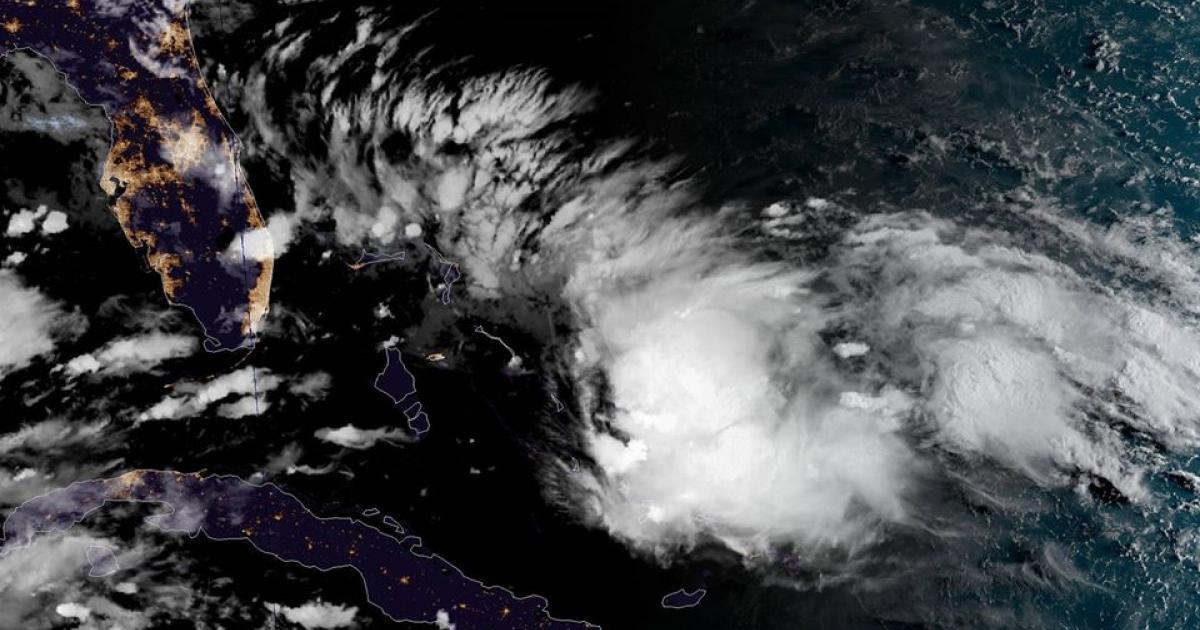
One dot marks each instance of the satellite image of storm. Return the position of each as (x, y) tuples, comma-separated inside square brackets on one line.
[(583, 314)]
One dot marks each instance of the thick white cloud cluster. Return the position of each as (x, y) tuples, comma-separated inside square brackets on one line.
[(728, 417), (734, 417), (1012, 354)]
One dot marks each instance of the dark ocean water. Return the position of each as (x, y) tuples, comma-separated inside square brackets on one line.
[(962, 109)]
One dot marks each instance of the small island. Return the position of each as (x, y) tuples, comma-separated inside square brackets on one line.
[(683, 598), (399, 384)]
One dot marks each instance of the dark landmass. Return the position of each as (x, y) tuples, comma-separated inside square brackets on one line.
[(398, 384), (395, 380), (683, 598), (404, 582), (418, 421)]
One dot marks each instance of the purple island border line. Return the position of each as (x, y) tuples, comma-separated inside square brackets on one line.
[(398, 383), (403, 583), (683, 598)]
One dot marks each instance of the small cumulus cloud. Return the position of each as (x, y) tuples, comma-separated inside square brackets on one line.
[(73, 610), (316, 615), (55, 223)]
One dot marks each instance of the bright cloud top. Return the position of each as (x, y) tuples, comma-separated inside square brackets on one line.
[(317, 615), (24, 221), (26, 323), (727, 418), (734, 416), (352, 437)]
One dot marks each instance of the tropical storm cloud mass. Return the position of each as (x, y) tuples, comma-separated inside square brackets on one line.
[(769, 315)]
